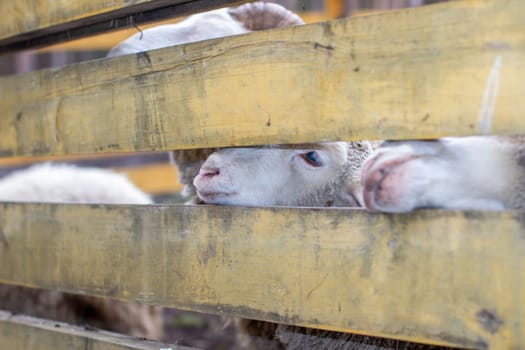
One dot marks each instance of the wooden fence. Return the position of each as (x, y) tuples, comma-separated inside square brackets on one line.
[(436, 277)]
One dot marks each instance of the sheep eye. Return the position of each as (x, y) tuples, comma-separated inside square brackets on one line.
[(312, 158)]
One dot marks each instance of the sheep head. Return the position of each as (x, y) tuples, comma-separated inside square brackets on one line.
[(298, 175), (465, 173)]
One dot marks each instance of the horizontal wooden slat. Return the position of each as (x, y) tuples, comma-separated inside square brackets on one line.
[(30, 24), (433, 276), (29, 333), (103, 160), (447, 69)]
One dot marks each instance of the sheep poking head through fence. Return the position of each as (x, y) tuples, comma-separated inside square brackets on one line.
[(322, 175), (465, 173), (326, 174), (70, 184), (314, 175)]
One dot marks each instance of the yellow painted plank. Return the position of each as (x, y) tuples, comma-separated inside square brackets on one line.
[(433, 276), (26, 15), (29, 333), (448, 69), (29, 23)]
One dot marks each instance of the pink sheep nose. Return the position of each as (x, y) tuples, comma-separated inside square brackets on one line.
[(209, 171)]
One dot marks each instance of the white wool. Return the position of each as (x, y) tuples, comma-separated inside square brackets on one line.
[(67, 183), (202, 26)]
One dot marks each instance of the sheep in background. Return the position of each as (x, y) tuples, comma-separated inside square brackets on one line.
[(70, 184), (207, 25), (465, 173), (63, 183)]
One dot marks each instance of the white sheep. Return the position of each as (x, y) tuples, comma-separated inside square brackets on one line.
[(70, 184), (207, 25), (465, 173), (218, 23), (64, 183)]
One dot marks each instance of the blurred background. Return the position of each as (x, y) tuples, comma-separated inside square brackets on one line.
[(153, 172)]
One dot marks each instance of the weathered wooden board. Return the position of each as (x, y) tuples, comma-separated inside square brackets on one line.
[(28, 24), (101, 160), (29, 333), (433, 276), (448, 69)]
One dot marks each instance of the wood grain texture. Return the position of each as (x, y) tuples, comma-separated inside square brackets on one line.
[(29, 333), (433, 276), (29, 24), (447, 69)]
